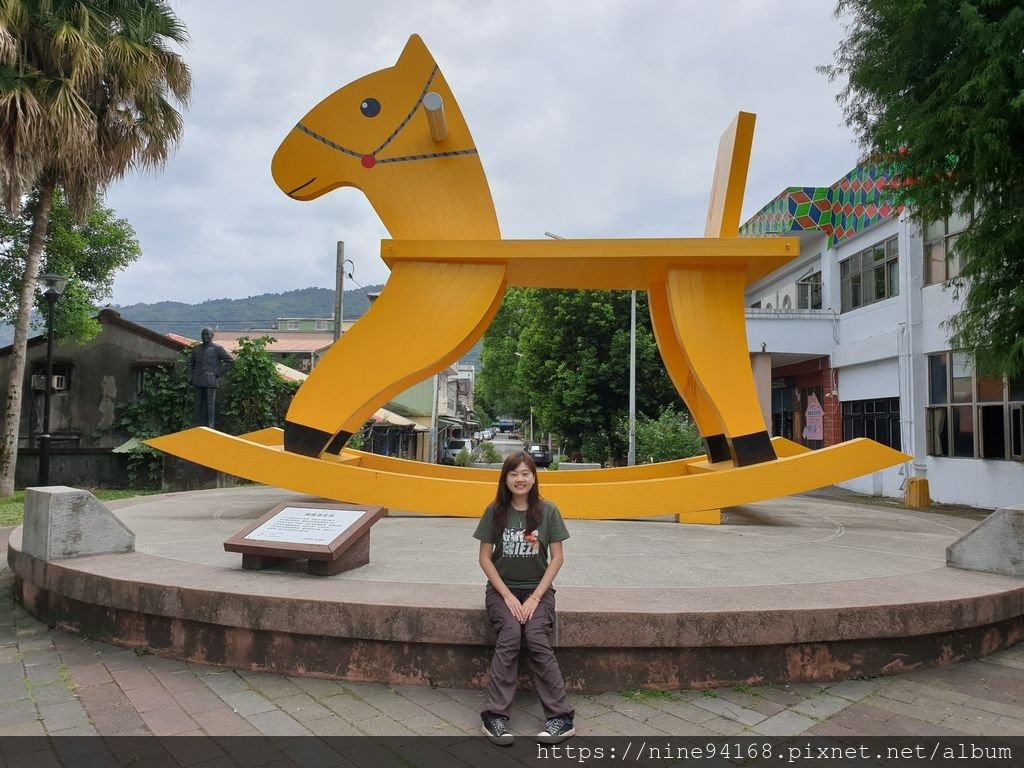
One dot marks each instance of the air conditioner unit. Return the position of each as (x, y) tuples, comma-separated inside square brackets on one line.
[(57, 383)]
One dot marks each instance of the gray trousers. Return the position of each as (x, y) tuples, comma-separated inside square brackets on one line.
[(504, 672), (206, 407)]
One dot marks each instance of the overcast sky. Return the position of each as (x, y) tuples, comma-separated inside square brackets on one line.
[(596, 119)]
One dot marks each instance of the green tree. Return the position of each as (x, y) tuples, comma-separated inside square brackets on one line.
[(497, 392), (937, 88), (86, 91), (88, 253), (566, 353), (256, 396), (672, 435), (163, 406)]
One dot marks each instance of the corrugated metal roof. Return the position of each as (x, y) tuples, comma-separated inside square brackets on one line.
[(387, 417), (287, 342)]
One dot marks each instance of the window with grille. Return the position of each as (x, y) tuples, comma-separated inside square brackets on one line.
[(941, 260), (870, 275), (971, 413), (878, 419), (808, 291)]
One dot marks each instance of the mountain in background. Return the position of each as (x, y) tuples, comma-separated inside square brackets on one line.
[(243, 314)]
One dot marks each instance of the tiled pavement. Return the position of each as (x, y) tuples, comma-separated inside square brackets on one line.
[(54, 683)]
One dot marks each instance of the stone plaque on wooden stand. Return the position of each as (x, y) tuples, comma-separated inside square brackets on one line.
[(331, 537)]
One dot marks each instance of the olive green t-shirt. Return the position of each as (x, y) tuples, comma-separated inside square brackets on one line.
[(520, 561)]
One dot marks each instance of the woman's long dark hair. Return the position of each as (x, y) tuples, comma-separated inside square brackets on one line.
[(503, 499)]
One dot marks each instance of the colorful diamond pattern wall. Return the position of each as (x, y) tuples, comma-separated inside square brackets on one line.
[(852, 204)]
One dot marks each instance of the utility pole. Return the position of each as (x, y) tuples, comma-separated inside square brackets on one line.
[(339, 290), (631, 456), (433, 422)]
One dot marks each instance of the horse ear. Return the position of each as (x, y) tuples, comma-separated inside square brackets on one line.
[(415, 54)]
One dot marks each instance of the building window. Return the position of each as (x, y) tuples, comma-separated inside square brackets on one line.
[(871, 275), (972, 414), (878, 419), (941, 259), (292, 325), (60, 382), (808, 291), (321, 325)]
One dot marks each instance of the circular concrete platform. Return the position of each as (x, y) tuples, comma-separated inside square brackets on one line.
[(794, 589)]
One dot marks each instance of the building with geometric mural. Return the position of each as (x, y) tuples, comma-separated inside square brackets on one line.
[(848, 340)]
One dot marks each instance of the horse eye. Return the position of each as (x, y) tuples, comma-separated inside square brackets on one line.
[(370, 107)]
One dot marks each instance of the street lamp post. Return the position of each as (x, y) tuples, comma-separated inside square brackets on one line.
[(520, 354), (339, 288), (53, 287)]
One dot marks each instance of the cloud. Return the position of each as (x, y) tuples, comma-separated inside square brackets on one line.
[(593, 120)]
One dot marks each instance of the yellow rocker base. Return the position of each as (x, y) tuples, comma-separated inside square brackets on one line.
[(628, 492)]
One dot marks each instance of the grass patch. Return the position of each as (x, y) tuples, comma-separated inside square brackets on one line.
[(709, 693), (646, 694), (65, 677), (12, 509)]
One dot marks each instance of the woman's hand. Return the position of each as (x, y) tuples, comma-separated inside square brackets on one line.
[(529, 606), (515, 607)]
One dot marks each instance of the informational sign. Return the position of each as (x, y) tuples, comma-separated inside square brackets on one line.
[(332, 538), (814, 419), (306, 525)]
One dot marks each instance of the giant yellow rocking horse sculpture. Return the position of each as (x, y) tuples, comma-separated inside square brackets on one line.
[(398, 135)]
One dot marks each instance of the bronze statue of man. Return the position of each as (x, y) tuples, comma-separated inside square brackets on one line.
[(207, 363)]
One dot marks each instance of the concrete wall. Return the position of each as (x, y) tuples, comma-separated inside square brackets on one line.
[(888, 482), (102, 377), (84, 468), (986, 483), (938, 304), (803, 332), (869, 380)]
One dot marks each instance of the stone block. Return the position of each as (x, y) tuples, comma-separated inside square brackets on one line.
[(995, 545), (62, 522)]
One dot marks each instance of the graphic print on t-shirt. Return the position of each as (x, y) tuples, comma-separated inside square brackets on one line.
[(519, 543)]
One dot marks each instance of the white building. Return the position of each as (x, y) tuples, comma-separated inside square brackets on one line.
[(855, 324)]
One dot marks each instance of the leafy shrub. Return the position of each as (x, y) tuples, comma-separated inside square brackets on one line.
[(164, 406), (672, 435), (464, 458), (486, 453), (254, 396)]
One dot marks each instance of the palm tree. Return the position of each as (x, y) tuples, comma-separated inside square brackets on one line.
[(86, 92)]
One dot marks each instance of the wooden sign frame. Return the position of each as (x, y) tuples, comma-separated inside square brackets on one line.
[(349, 549)]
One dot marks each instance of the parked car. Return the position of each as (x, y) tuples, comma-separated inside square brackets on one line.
[(540, 453), (453, 447)]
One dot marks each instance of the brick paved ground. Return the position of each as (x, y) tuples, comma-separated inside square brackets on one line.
[(53, 683)]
